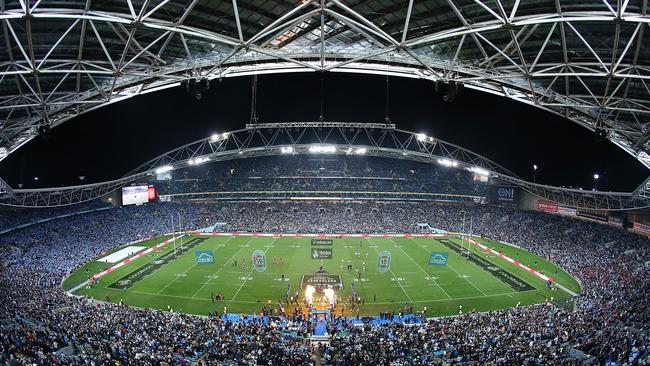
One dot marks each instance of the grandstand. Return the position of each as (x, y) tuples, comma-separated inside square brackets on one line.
[(224, 208), (324, 242)]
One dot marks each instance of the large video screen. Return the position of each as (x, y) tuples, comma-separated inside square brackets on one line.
[(135, 195)]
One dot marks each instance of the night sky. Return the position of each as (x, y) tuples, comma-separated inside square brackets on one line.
[(109, 142)]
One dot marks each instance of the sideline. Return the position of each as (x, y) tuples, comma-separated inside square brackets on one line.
[(519, 264), (74, 289)]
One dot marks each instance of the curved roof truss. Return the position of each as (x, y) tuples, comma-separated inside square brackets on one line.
[(342, 138), (587, 60)]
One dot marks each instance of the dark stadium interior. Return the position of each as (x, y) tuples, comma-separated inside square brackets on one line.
[(515, 135), (325, 182)]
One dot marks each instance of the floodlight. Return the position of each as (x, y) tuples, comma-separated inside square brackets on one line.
[(480, 171), (218, 137), (448, 162), (286, 149), (164, 169), (596, 176), (319, 149), (197, 161), (360, 151), (423, 137), (534, 166)]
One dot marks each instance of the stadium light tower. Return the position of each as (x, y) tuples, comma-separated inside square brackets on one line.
[(534, 172), (596, 177)]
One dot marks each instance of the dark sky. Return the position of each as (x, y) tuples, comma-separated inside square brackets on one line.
[(109, 142)]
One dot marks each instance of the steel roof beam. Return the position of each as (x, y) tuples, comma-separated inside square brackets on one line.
[(381, 140)]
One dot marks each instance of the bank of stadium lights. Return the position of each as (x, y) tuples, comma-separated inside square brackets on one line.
[(322, 149), (424, 138), (286, 149), (219, 137), (448, 163), (357, 151), (479, 171), (197, 161), (164, 169)]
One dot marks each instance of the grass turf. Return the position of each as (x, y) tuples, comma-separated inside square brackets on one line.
[(186, 286)]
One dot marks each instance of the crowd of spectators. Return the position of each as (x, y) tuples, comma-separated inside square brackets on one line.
[(11, 218), (305, 173), (40, 324)]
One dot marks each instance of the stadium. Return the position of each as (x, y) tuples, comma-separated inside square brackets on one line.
[(311, 231)]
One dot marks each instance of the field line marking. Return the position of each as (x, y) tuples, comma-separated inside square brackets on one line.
[(376, 303), (421, 269), (397, 280), (400, 285), (224, 265), (495, 264), (189, 298), (507, 269), (461, 276), (251, 272), (144, 264), (177, 277)]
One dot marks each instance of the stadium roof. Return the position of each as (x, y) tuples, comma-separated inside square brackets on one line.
[(586, 60)]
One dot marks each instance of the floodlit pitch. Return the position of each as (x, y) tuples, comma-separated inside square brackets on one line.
[(388, 273)]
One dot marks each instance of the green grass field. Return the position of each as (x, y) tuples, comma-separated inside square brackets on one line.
[(159, 279)]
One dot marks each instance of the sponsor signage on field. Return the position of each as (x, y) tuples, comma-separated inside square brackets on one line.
[(321, 281), (321, 253), (504, 276), (204, 257), (438, 258), (547, 206), (322, 241), (383, 261), (259, 261)]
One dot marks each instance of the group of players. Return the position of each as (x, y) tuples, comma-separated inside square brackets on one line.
[(349, 266), (245, 263)]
